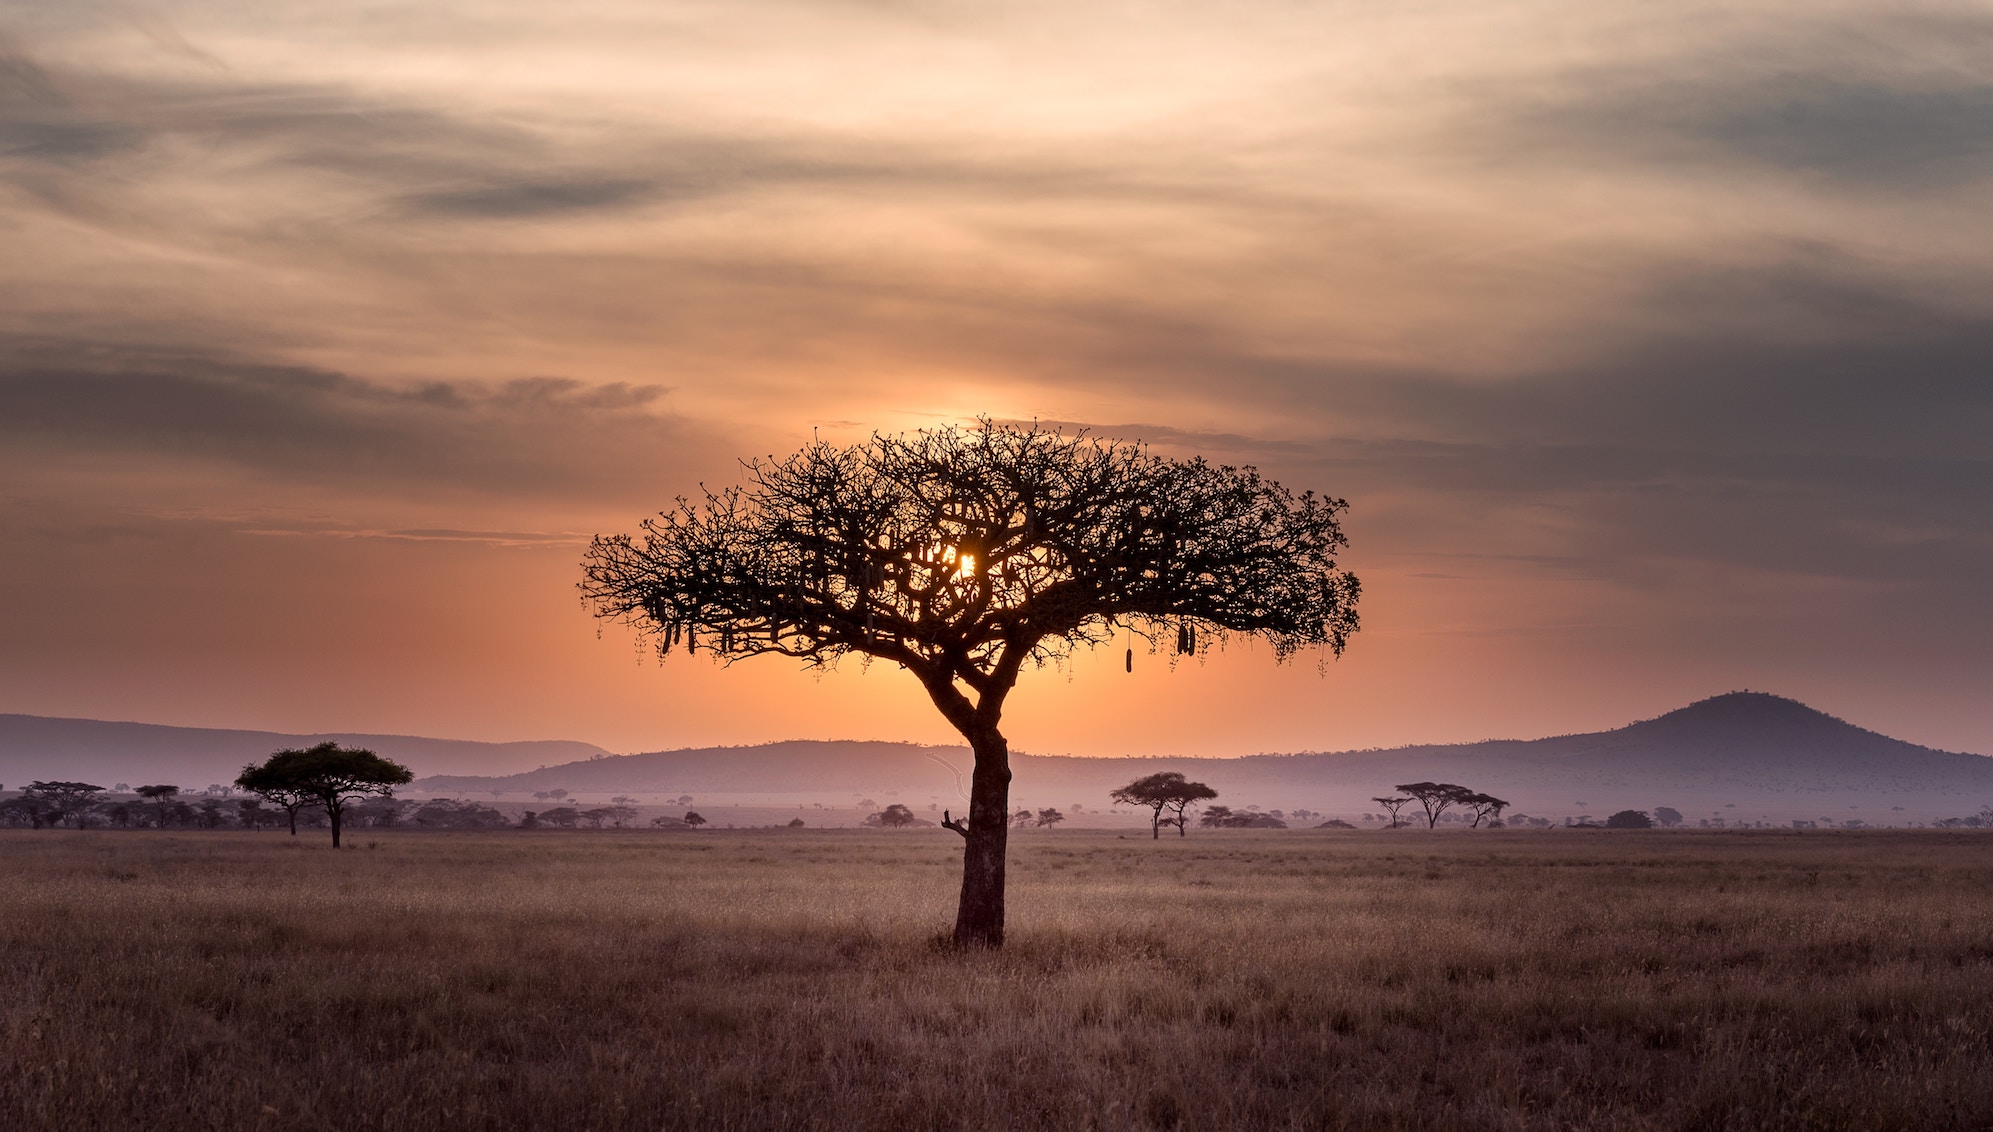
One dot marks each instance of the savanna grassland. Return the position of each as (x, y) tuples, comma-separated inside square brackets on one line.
[(779, 980)]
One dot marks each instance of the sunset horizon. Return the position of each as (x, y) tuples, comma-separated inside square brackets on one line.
[(1646, 349)]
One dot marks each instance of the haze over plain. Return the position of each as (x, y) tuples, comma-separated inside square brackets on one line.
[(1648, 345)]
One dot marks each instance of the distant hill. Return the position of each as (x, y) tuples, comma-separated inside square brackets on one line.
[(107, 753), (1747, 751), (1744, 755)]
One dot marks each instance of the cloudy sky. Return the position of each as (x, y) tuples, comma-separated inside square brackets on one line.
[(1649, 343)]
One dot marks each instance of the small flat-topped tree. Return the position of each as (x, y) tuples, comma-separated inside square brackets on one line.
[(328, 776), (963, 554), (1165, 791)]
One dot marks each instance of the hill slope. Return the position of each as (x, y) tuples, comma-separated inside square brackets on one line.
[(107, 753), (1744, 754), (1744, 748)]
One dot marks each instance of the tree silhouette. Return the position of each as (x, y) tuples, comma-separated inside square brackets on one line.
[(328, 775), (56, 802), (162, 797), (896, 816), (1484, 806), (1167, 790), (1393, 805), (963, 555), (1435, 797)]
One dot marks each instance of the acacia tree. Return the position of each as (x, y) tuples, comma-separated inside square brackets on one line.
[(1484, 806), (328, 775), (56, 802), (1435, 797), (1393, 805), (1167, 790), (962, 556), (162, 798)]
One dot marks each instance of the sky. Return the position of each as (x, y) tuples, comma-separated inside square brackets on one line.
[(1650, 344)]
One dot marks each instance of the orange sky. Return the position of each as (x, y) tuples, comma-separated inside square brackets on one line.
[(1648, 344)]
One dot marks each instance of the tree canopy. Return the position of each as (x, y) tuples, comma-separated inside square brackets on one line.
[(1436, 797), (328, 775), (964, 554), (1166, 790)]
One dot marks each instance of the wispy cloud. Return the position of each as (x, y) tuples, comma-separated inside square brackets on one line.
[(1593, 312)]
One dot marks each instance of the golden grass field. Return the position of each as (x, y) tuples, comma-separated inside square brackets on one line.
[(790, 980)]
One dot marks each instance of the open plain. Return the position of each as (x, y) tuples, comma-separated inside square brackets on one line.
[(798, 979)]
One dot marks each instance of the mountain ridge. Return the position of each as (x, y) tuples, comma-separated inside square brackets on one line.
[(119, 750), (1737, 745), (1725, 751)]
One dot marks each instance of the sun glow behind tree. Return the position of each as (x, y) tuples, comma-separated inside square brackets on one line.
[(962, 556)]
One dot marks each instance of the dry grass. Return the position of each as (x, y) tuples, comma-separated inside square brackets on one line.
[(794, 980)]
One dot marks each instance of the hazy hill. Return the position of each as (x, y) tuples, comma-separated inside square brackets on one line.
[(1745, 755), (1762, 753), (107, 753)]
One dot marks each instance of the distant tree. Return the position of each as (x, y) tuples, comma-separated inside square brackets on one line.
[(542, 795), (1047, 818), (1668, 816), (897, 816), (1021, 818), (209, 814), (1630, 819), (52, 803), (328, 775), (250, 814), (596, 816), (1223, 817), (17, 811), (530, 819), (693, 819), (1435, 797), (964, 555), (797, 823), (561, 817), (666, 821), (450, 813), (379, 813), (161, 798), (1392, 806), (1166, 790), (1335, 823), (1485, 807), (557, 794)]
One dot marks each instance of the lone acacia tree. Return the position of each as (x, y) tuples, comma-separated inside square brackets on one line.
[(963, 554), (1436, 797), (328, 775), (1393, 805), (1166, 790)]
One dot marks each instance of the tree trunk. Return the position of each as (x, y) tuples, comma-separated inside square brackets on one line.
[(1156, 825), (293, 811), (979, 917), (333, 812)]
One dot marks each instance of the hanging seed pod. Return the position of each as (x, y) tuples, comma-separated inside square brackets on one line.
[(1131, 660)]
